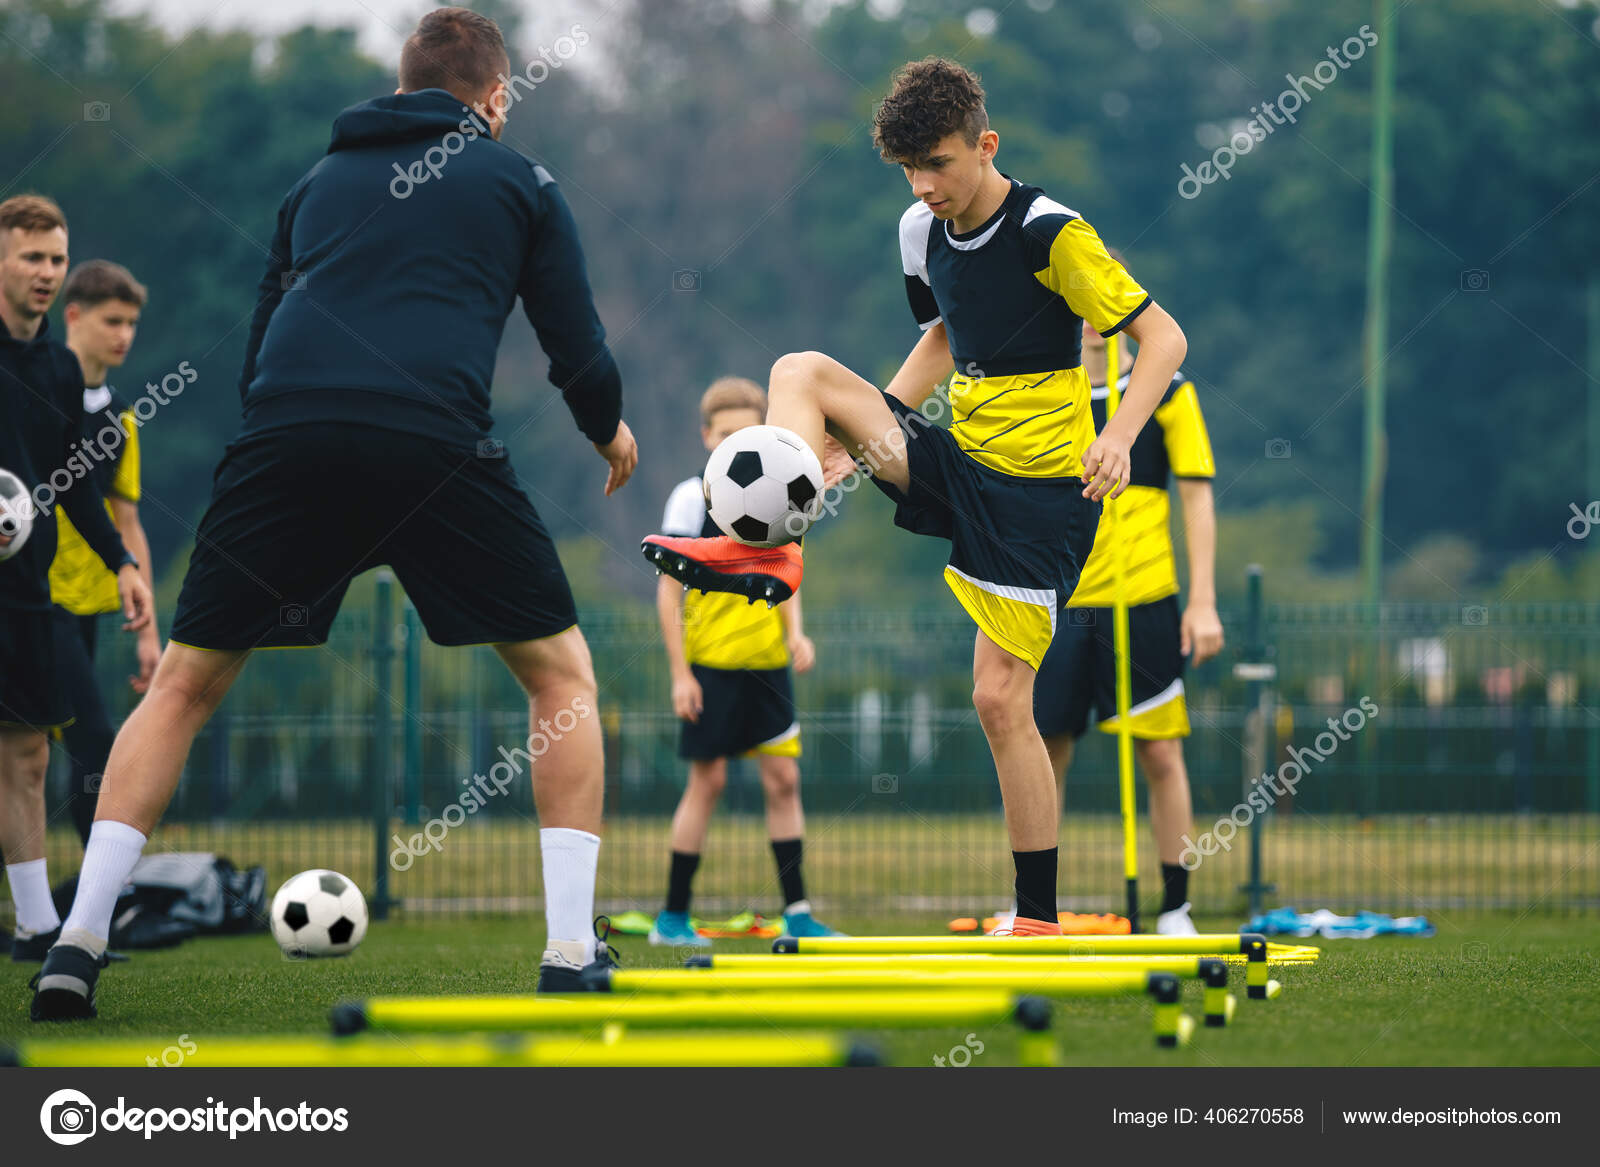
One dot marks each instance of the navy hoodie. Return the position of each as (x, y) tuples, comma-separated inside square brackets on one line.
[(397, 259)]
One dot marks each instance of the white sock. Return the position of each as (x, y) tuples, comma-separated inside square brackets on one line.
[(107, 862), (570, 858), (30, 892)]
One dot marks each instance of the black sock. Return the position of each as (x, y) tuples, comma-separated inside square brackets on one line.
[(787, 853), (1036, 884), (1174, 886), (683, 868)]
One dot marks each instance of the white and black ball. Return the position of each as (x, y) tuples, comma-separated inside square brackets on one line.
[(318, 913), (763, 486), (16, 513)]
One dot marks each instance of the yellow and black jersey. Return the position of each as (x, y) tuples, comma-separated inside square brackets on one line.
[(79, 581), (1173, 442), (1012, 295), (721, 630)]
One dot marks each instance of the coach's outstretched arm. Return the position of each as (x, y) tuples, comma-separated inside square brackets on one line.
[(560, 306)]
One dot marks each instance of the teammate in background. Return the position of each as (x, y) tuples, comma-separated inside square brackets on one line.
[(41, 402), (1000, 279), (102, 302), (365, 440), (1080, 670), (732, 691)]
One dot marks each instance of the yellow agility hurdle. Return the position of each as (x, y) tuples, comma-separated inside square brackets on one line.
[(647, 1049), (1258, 984)]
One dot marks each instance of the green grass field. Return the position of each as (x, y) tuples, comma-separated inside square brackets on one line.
[(1488, 990)]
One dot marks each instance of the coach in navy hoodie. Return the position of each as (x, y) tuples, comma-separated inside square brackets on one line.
[(366, 441)]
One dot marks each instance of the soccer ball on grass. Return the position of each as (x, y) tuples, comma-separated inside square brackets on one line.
[(318, 913)]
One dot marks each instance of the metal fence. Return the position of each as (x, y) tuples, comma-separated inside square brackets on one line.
[(1474, 783)]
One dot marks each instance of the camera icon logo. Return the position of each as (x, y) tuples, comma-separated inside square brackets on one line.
[(292, 281), (97, 111), (686, 280), (1474, 279), (1278, 448), (491, 448), (1083, 617), (93, 783), (1475, 615), (68, 1117), (293, 616), (885, 784)]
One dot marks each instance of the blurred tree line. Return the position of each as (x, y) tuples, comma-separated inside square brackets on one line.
[(718, 158)]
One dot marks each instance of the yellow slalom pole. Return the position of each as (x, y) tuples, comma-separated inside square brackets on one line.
[(648, 1049), (1179, 964), (1056, 983), (922, 1008), (1120, 642)]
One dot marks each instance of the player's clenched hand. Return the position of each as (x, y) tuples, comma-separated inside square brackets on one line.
[(687, 701), (622, 453), (149, 653), (1105, 467), (138, 605), (1201, 631), (803, 652)]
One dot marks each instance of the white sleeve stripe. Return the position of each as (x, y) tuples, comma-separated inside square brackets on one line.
[(915, 226), (686, 510), (1044, 205), (931, 323)]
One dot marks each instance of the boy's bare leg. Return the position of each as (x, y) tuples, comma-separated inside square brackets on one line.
[(813, 394), (1002, 693), (780, 783), (24, 758), (1060, 747), (1171, 811), (693, 816)]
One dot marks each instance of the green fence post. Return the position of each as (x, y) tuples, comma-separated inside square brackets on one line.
[(413, 710), (1257, 670), (381, 769)]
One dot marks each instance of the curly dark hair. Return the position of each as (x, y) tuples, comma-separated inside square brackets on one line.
[(931, 99)]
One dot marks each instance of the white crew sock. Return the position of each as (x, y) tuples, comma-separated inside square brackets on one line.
[(30, 892), (570, 858), (107, 863)]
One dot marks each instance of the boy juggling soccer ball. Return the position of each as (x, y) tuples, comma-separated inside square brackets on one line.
[(1000, 279), (1079, 672), (732, 692)]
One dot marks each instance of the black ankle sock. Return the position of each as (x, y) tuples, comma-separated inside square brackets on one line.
[(1174, 886), (787, 854), (683, 868), (1036, 884)]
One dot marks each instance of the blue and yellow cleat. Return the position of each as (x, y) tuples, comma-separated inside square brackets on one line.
[(673, 930), (798, 921)]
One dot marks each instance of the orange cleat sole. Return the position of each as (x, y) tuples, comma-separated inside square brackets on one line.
[(721, 564)]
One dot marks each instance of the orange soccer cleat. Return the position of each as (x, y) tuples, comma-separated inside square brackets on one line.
[(721, 564), (1022, 926)]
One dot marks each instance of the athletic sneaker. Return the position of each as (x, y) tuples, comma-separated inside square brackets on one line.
[(1176, 923), (34, 947), (63, 990), (798, 921), (721, 564), (1023, 926), (673, 930), (561, 969)]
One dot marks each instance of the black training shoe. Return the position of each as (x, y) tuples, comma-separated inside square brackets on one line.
[(558, 974), (63, 990), (32, 949)]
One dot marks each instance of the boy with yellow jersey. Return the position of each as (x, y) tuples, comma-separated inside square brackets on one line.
[(1079, 672), (102, 305), (1000, 278), (731, 689)]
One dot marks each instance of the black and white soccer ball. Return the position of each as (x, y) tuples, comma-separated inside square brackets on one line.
[(763, 486), (16, 513), (318, 913)]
